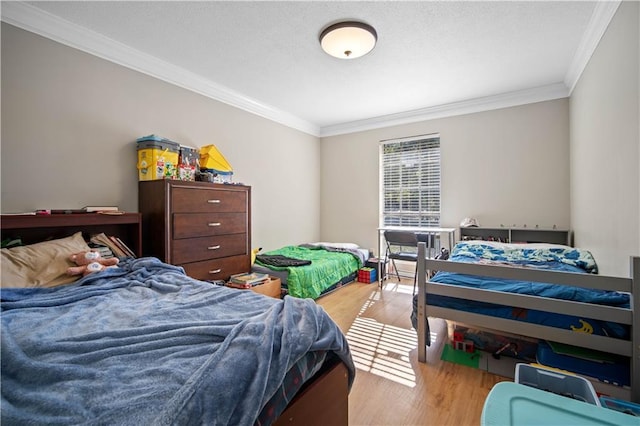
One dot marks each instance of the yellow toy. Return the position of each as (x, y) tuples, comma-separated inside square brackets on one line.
[(254, 253)]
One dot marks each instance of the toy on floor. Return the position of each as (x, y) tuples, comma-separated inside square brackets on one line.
[(89, 262)]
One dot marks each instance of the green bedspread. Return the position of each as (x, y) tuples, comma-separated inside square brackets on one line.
[(327, 268)]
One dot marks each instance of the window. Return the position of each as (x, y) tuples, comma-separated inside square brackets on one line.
[(410, 181)]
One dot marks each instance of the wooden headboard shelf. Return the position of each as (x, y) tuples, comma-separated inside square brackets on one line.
[(35, 228)]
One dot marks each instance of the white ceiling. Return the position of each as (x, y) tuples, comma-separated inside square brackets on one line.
[(431, 59)]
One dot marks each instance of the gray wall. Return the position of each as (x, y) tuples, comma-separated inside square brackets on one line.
[(69, 124), (605, 146), (503, 167)]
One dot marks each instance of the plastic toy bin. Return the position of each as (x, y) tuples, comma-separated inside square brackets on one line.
[(574, 387), (626, 407), (514, 404), (157, 158)]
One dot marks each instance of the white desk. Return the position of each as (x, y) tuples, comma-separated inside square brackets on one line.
[(450, 232)]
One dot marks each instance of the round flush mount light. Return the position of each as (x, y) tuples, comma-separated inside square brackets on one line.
[(348, 40)]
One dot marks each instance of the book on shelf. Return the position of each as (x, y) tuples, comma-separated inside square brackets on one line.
[(63, 211), (19, 214), (95, 209), (117, 246), (103, 239), (105, 252), (123, 246), (251, 279)]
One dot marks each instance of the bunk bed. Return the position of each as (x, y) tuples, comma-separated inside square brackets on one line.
[(431, 292), (314, 269), (144, 343)]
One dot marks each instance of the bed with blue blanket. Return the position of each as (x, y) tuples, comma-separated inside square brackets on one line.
[(545, 291), (143, 343)]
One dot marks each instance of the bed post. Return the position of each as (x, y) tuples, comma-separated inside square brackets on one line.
[(422, 302), (635, 329)]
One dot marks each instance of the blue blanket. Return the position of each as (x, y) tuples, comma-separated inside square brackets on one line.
[(536, 256), (145, 344)]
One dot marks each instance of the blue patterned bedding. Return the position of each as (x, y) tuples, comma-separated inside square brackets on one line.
[(541, 256), (145, 344), (538, 256)]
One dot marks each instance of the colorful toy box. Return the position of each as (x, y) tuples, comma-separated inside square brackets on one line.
[(157, 158), (367, 275), (374, 262), (213, 166), (188, 163)]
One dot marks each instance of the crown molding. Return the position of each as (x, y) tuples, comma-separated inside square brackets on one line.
[(505, 100), (37, 21), (600, 19)]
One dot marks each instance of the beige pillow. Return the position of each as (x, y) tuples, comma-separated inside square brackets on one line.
[(42, 264)]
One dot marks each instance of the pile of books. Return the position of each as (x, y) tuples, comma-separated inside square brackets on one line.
[(117, 247), (247, 280), (105, 252)]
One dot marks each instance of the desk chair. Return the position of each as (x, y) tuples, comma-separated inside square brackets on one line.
[(402, 245), (433, 243)]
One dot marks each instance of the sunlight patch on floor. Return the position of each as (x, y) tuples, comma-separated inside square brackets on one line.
[(382, 349), (398, 287), (369, 303)]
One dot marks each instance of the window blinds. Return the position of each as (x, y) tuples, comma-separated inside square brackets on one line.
[(411, 182)]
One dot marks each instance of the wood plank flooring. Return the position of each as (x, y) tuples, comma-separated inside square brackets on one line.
[(391, 386)]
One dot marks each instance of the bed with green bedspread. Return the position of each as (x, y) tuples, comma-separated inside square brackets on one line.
[(328, 266)]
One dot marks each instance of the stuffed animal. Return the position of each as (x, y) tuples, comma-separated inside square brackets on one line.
[(89, 262)]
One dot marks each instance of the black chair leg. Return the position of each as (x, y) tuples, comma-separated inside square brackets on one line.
[(415, 280), (395, 268)]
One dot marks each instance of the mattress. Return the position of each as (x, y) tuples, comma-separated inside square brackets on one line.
[(329, 266), (146, 344), (283, 274), (538, 256)]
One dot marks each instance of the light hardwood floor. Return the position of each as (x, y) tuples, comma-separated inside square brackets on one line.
[(391, 387)]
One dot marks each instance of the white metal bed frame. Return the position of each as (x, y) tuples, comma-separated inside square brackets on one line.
[(631, 316)]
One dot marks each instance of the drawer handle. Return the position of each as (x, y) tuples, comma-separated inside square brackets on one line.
[(213, 247), (214, 224), (215, 271), (213, 201)]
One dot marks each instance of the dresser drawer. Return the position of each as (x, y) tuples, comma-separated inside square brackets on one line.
[(183, 223), (188, 225), (203, 200), (204, 248), (218, 269)]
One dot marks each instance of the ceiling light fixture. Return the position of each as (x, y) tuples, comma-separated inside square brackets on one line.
[(348, 40)]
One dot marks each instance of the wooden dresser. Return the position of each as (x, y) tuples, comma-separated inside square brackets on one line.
[(203, 227)]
